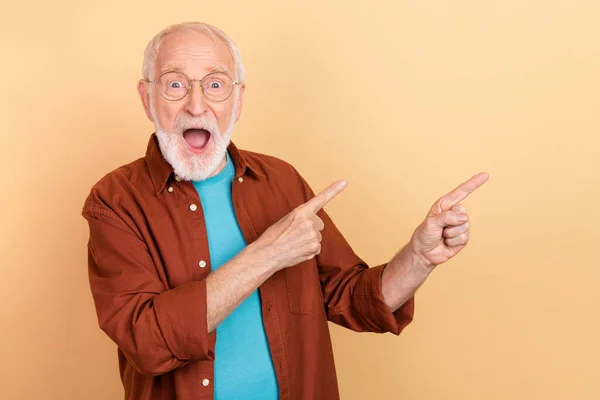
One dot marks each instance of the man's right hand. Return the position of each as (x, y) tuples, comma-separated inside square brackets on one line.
[(297, 236)]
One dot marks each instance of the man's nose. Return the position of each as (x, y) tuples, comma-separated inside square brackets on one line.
[(196, 103)]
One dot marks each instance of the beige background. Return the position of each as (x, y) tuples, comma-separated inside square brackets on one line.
[(403, 99)]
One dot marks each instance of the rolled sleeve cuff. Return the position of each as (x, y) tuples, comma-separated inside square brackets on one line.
[(370, 305), (184, 310)]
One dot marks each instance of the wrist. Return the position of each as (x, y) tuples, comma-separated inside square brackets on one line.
[(260, 257), (402, 276), (417, 259)]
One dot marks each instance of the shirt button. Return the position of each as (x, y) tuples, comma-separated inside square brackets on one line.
[(205, 382), (193, 207), (240, 179), (202, 264), (177, 178), (170, 189)]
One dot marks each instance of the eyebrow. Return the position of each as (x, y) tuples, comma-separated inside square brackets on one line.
[(219, 68), (178, 67), (172, 67)]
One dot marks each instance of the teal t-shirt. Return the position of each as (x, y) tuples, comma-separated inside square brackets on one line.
[(243, 364)]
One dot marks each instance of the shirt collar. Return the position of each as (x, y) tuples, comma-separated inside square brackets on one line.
[(161, 171)]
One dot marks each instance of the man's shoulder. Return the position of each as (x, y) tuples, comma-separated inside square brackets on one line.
[(123, 176), (118, 182)]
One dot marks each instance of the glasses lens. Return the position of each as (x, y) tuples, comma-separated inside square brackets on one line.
[(217, 86), (173, 85)]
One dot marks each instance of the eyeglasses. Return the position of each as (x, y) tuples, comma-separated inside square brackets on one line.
[(216, 86)]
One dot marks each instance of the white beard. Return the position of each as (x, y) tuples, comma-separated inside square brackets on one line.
[(186, 165)]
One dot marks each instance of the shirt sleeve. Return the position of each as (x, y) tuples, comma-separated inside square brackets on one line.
[(351, 290), (157, 329)]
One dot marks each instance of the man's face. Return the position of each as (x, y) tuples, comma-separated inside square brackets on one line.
[(193, 132)]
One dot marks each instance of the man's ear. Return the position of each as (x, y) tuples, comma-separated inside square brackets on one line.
[(145, 97), (240, 102)]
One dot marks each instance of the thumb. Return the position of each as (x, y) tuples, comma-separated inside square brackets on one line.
[(450, 218)]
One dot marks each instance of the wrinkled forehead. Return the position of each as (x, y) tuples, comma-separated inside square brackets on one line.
[(195, 54)]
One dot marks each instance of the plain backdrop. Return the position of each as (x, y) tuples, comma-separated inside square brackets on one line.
[(405, 100)]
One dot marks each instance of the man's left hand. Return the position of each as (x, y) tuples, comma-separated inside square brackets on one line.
[(445, 231)]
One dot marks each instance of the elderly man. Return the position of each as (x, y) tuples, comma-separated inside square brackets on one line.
[(214, 269)]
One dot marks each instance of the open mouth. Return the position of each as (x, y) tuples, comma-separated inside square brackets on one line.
[(196, 139)]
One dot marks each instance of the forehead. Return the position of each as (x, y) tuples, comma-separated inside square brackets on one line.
[(193, 53)]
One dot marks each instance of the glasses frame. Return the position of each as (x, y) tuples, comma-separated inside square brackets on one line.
[(190, 84)]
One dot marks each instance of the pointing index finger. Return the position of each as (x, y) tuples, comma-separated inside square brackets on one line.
[(462, 191), (320, 200)]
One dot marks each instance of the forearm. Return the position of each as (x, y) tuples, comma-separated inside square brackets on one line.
[(401, 278), (233, 282)]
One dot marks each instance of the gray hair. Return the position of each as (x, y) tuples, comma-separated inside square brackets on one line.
[(153, 47)]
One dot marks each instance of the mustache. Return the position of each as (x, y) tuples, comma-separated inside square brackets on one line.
[(206, 122)]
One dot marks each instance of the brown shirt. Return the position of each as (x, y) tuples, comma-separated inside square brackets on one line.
[(148, 263)]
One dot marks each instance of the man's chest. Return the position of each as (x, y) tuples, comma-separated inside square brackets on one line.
[(174, 226)]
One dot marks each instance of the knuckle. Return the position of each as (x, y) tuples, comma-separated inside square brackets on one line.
[(437, 207), (429, 222), (306, 224), (444, 204), (460, 208), (460, 240), (294, 215)]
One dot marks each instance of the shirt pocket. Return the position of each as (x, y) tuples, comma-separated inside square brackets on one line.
[(303, 288)]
